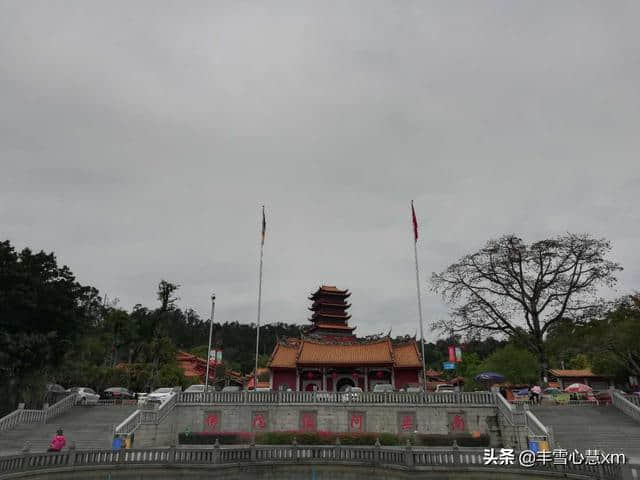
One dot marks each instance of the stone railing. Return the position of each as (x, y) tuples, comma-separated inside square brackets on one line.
[(23, 416), (129, 425), (405, 458), (370, 398), (60, 407), (625, 406), (635, 399), (19, 416)]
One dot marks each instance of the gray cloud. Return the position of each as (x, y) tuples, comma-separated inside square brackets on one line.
[(138, 142)]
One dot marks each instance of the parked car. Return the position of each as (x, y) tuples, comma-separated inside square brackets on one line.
[(160, 393), (445, 388), (231, 388), (413, 390), (195, 389), (118, 393), (85, 395), (142, 397), (350, 393), (383, 387)]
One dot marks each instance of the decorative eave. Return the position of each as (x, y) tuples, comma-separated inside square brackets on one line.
[(329, 326), (317, 304), (316, 316)]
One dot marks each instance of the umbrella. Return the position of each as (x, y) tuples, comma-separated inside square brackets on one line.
[(489, 377), (578, 388)]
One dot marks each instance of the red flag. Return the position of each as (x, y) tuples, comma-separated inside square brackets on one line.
[(415, 222), (452, 353)]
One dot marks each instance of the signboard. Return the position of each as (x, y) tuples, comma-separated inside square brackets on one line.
[(448, 365)]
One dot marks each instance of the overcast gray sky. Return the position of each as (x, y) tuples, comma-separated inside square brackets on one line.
[(139, 139)]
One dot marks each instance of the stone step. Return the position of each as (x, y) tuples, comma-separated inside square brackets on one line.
[(88, 427)]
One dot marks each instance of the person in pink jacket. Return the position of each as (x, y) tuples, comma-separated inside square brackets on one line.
[(58, 442)]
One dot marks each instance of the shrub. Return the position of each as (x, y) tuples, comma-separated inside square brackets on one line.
[(329, 438)]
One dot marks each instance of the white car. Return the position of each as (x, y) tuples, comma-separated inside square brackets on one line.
[(445, 388), (159, 395), (351, 393), (85, 395), (383, 387)]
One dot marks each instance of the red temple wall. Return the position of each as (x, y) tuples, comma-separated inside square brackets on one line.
[(284, 377), (404, 376)]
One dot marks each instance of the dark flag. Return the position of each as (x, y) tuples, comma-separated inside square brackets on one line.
[(415, 222), (264, 225)]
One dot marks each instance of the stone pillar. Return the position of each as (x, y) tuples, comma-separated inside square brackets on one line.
[(366, 379), (297, 380), (408, 455), (393, 378), (324, 379)]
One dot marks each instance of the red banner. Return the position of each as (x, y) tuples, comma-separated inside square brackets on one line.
[(452, 353)]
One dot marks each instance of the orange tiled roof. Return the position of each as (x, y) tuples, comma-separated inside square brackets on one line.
[(284, 356), (312, 353), (406, 355), (574, 373)]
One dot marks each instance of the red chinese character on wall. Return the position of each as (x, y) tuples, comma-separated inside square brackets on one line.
[(457, 423), (259, 422), (406, 423), (308, 422), (212, 421), (357, 422)]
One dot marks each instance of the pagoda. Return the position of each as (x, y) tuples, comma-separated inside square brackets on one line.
[(329, 357), (330, 318)]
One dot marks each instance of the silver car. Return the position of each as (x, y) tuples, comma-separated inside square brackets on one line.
[(85, 395)]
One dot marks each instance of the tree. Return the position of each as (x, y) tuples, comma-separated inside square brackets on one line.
[(165, 295), (516, 364), (522, 290), (43, 313), (613, 340)]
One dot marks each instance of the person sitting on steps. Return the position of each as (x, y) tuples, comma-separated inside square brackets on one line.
[(57, 442)]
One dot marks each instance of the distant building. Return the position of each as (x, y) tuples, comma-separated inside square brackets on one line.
[(329, 357), (586, 376)]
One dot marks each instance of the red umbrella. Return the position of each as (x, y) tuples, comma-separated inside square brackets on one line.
[(578, 388)]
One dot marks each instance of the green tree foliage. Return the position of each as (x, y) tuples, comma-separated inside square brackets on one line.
[(43, 313), (518, 365)]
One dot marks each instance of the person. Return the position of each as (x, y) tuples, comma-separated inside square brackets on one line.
[(117, 443), (57, 442), (536, 391)]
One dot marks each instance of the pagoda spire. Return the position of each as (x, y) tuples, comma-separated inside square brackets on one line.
[(330, 317)]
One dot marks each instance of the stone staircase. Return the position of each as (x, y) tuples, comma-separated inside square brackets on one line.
[(88, 426), (592, 427)]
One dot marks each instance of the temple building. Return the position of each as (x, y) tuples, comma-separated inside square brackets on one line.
[(330, 357)]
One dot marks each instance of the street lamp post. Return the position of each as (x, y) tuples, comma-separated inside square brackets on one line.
[(213, 307)]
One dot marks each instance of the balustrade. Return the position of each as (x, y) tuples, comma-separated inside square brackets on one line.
[(318, 397), (407, 457)]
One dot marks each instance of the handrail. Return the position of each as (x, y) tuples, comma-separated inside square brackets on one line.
[(625, 406), (22, 415), (129, 424), (505, 408), (360, 398), (60, 407), (407, 458)]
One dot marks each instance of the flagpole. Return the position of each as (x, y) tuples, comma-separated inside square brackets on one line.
[(415, 255), (255, 371), (213, 307)]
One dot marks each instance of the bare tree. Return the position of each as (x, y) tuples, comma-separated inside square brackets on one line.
[(522, 290)]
